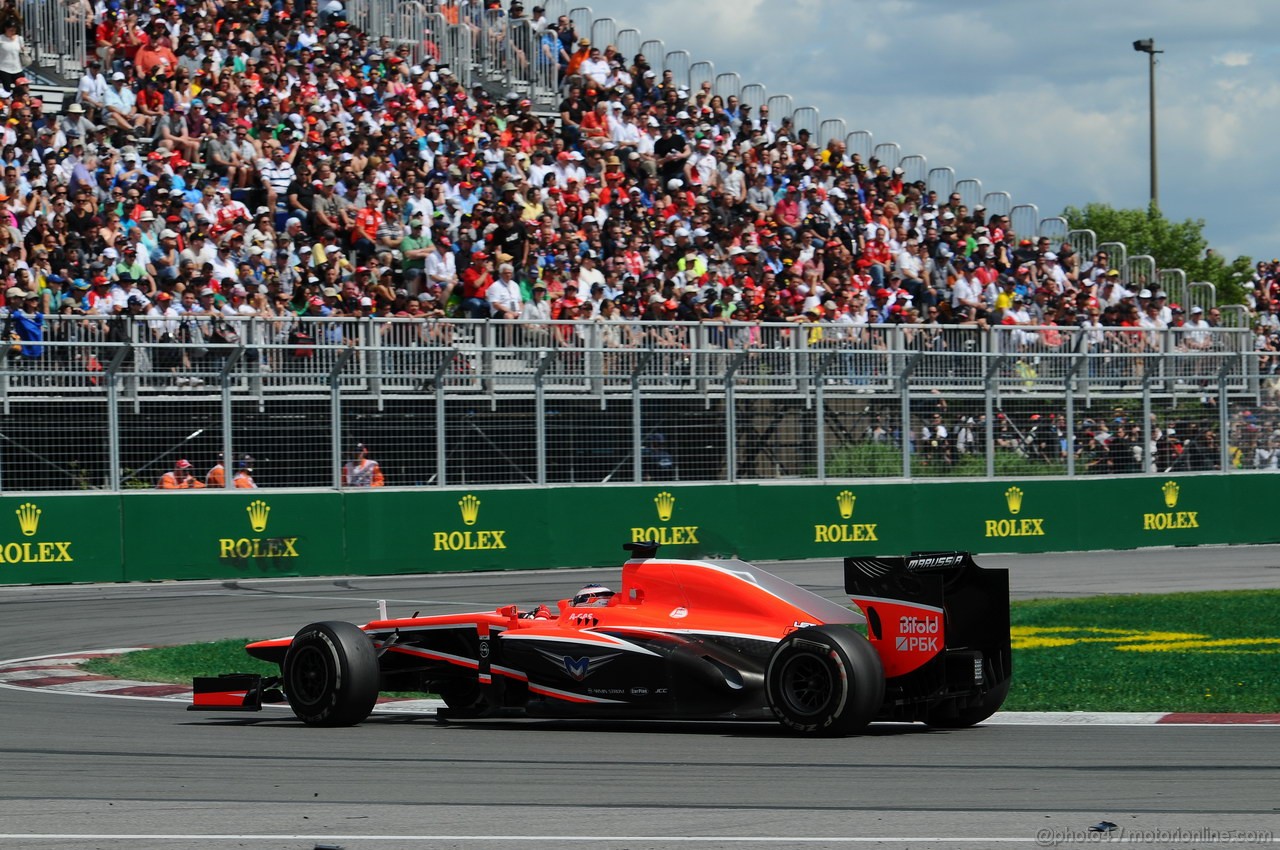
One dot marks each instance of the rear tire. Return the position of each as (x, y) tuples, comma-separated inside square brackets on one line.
[(824, 680), (331, 674), (973, 715)]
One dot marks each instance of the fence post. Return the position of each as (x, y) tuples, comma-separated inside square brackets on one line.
[(988, 382), (1224, 415), (540, 413), (637, 427), (820, 411), (904, 378), (335, 414), (1069, 386), (1147, 457), (446, 363), (731, 416), (113, 417)]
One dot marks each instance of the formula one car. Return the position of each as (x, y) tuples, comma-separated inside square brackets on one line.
[(681, 639)]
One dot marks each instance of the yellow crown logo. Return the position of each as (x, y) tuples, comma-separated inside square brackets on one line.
[(28, 518), (845, 500), (666, 504), (1013, 498), (1170, 489), (470, 509), (258, 511)]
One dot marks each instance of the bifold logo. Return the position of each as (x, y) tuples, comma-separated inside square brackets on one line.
[(468, 541), (918, 634), (845, 532)]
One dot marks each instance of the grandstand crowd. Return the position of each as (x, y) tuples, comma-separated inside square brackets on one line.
[(267, 159)]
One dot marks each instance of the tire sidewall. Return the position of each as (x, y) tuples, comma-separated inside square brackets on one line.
[(853, 668), (350, 685)]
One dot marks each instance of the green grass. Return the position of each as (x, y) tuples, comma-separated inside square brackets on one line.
[(1213, 652), (177, 665)]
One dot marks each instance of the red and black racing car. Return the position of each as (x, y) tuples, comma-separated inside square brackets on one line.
[(680, 639)]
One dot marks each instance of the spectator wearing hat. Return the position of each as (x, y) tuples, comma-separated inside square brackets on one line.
[(173, 132), (91, 90), (121, 106), (441, 270), (329, 211), (180, 477), (360, 470), (1197, 334), (243, 479), (24, 324)]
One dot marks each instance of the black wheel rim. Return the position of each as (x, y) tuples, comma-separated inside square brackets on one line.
[(807, 684), (309, 675)]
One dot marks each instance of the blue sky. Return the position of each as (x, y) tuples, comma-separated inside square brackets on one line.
[(1046, 101)]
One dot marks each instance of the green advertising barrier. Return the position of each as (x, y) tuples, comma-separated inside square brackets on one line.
[(263, 533), (414, 531), (59, 539), (1034, 515), (520, 528), (237, 534)]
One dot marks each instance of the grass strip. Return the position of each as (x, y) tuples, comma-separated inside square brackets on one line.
[(1204, 652)]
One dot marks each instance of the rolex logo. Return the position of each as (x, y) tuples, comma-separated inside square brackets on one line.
[(1013, 498), (28, 518), (258, 511), (845, 500), (1170, 490), (470, 509), (666, 504)]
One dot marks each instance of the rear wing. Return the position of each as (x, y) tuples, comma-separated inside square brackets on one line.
[(927, 602)]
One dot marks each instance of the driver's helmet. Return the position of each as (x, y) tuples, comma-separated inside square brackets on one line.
[(593, 595)]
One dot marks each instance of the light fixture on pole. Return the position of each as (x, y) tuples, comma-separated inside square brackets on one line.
[(1148, 46)]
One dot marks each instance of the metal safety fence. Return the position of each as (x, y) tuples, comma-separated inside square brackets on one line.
[(58, 33), (109, 406)]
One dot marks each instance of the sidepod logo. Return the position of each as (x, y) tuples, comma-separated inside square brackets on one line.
[(467, 541), (34, 552), (845, 532), (667, 535), (918, 633), (1170, 520), (578, 668), (1022, 527), (242, 548)]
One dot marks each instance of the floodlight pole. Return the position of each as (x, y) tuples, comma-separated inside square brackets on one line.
[(1148, 46)]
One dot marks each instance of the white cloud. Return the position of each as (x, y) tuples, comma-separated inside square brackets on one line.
[(1234, 59)]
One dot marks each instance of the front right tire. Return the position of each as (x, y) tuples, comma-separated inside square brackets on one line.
[(330, 674), (824, 680)]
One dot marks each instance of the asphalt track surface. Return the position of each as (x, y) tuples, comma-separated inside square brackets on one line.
[(83, 772)]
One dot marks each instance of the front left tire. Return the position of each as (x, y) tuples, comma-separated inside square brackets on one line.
[(330, 674)]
